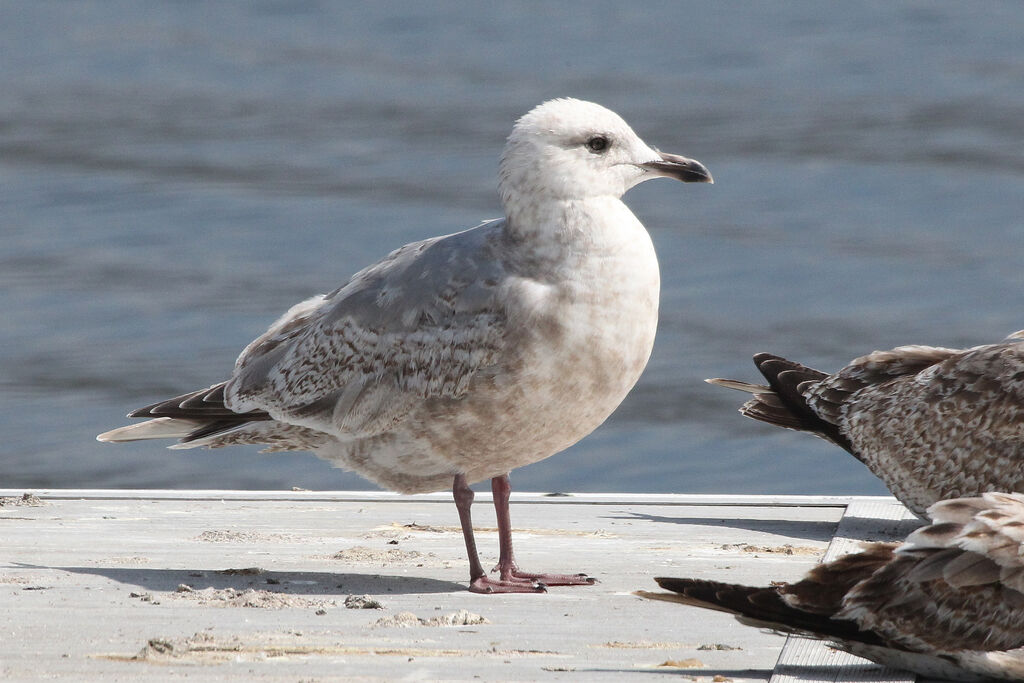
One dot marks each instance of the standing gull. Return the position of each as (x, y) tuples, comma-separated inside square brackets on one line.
[(947, 603), (932, 423), (459, 358)]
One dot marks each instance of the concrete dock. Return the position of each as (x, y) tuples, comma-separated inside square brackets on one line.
[(119, 585)]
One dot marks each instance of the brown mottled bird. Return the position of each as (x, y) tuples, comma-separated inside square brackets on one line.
[(932, 423), (458, 358), (947, 603)]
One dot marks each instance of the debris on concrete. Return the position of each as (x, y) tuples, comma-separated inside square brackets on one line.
[(407, 619), (25, 500), (362, 602)]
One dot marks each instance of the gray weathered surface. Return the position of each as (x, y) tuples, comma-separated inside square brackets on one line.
[(804, 660), (69, 569)]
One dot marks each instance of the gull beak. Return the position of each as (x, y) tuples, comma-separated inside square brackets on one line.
[(680, 168)]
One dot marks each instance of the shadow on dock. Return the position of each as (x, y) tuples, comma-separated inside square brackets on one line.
[(692, 674), (809, 530), (283, 582)]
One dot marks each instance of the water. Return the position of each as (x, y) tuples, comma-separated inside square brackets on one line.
[(174, 175)]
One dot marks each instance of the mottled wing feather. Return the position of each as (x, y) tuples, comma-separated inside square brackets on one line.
[(954, 513), (946, 603), (980, 388), (829, 397), (994, 530), (951, 585), (983, 389), (933, 423), (419, 324), (824, 588)]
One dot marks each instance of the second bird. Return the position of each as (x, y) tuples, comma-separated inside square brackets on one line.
[(932, 423)]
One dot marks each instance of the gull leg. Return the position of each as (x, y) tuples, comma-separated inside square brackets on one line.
[(479, 582), (507, 568)]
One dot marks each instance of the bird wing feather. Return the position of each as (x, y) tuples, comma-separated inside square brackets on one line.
[(419, 324), (952, 585), (980, 388)]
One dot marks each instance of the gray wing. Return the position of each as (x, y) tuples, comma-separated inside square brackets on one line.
[(421, 323)]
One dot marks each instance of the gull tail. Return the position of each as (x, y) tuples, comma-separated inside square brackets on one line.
[(899, 627), (781, 402), (740, 386), (160, 428), (762, 607), (194, 419)]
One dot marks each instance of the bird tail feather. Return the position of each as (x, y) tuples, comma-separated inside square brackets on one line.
[(160, 428)]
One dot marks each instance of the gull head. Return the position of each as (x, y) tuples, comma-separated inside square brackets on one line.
[(568, 149)]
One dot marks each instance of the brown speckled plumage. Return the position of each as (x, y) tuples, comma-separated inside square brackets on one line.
[(932, 423), (947, 603)]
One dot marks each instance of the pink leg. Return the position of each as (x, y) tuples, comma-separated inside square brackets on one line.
[(479, 582), (507, 568), (510, 578)]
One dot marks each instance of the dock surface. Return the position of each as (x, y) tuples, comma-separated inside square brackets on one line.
[(119, 585)]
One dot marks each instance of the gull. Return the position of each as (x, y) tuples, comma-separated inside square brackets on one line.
[(459, 358), (932, 423), (947, 603)]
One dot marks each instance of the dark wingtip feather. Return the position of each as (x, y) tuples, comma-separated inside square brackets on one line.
[(769, 408), (789, 379), (206, 399), (764, 607), (198, 405), (205, 407)]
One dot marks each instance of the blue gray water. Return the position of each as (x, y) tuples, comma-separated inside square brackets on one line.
[(174, 175)]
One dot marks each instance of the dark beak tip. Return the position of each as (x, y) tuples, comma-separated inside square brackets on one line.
[(693, 174), (692, 171), (681, 168)]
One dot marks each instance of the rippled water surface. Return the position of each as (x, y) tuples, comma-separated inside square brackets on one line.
[(174, 175)]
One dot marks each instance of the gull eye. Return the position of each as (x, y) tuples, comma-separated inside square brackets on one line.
[(598, 143)]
